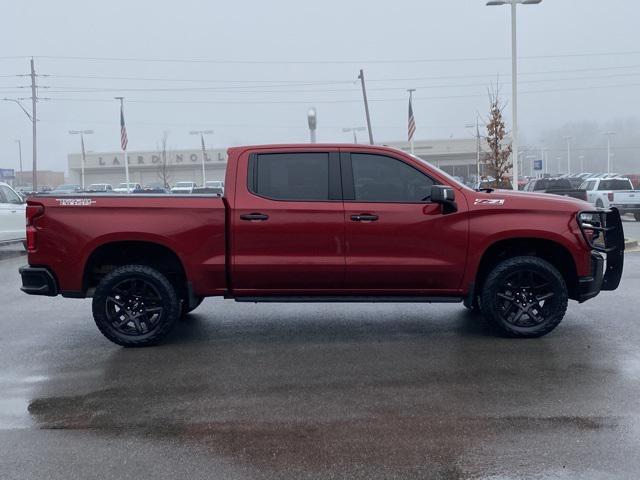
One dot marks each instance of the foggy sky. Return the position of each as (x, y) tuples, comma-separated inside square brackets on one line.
[(467, 45)]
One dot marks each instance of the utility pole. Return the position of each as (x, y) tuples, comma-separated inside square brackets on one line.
[(202, 133), (366, 105), (477, 148), (34, 119), (20, 157)]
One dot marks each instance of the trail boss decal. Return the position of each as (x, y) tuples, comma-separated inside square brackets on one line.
[(75, 202), (489, 201)]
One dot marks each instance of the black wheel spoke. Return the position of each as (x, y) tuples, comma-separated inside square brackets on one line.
[(134, 307)]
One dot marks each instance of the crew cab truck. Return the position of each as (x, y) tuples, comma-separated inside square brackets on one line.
[(322, 223), (615, 193)]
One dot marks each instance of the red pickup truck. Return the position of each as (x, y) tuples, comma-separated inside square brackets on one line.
[(314, 223)]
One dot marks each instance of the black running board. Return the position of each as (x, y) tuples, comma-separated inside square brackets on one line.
[(348, 299)]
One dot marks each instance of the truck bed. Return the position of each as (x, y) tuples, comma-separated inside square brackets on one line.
[(76, 227)]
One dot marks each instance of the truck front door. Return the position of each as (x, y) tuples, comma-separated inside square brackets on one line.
[(397, 241), (288, 223)]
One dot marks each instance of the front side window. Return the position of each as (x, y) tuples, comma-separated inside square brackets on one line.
[(290, 176), (378, 178)]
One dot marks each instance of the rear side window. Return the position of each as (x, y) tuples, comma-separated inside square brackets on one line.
[(290, 176), (614, 184), (378, 178)]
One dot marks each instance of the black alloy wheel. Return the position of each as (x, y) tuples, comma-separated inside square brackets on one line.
[(135, 305), (524, 297)]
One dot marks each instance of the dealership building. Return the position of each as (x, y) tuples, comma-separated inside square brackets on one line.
[(455, 156)]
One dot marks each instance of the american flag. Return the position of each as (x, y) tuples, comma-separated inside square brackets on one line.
[(123, 130), (412, 122)]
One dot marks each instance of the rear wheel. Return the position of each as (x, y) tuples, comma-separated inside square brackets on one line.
[(135, 306), (524, 297)]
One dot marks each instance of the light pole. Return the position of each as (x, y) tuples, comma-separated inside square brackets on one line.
[(478, 147), (608, 134), (312, 120), (82, 133), (514, 76), (354, 130), (20, 157), (568, 139), (581, 158), (202, 133)]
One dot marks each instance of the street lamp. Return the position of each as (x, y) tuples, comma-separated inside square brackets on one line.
[(608, 134), (82, 133), (202, 133), (514, 75), (312, 119), (568, 139), (354, 130)]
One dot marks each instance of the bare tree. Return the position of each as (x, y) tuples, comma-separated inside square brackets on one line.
[(497, 160), (164, 162)]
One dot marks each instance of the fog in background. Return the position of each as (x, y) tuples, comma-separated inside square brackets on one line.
[(250, 70)]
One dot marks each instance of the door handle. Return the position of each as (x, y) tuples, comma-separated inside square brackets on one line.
[(364, 217), (254, 216)]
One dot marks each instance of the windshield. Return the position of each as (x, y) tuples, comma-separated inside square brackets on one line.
[(451, 180), (184, 184)]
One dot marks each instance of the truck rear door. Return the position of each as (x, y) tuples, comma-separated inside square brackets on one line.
[(287, 223), (397, 241)]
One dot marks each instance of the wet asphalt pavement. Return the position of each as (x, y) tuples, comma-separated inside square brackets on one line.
[(319, 391)]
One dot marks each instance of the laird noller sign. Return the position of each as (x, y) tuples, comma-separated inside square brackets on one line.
[(149, 159)]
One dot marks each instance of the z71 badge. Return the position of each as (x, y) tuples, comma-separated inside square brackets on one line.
[(489, 201), (75, 202)]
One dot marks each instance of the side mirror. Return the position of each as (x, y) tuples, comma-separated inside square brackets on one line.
[(445, 196)]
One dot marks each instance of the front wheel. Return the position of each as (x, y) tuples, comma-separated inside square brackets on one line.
[(524, 297), (135, 306)]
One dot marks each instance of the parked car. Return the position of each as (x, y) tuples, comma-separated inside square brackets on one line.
[(65, 189), (12, 216), (155, 187), (217, 186), (183, 187), (99, 188), (613, 193), (301, 223), (126, 187), (555, 186)]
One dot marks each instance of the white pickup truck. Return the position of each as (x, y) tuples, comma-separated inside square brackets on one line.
[(613, 193), (12, 216)]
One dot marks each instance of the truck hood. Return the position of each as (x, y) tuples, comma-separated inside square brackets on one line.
[(528, 201)]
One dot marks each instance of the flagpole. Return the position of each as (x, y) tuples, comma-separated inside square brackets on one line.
[(83, 157), (124, 147), (411, 90)]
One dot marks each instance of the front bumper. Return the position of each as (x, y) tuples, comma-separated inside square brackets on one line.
[(605, 236), (38, 281)]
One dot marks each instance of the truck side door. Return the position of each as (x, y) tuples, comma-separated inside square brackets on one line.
[(287, 223), (397, 242)]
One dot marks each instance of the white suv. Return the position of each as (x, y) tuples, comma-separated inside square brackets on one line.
[(12, 216)]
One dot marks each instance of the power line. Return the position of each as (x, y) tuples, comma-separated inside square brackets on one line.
[(322, 62)]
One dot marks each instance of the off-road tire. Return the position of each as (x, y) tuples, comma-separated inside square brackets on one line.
[(526, 316), (167, 300)]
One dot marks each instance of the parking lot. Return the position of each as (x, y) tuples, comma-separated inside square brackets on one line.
[(320, 391)]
